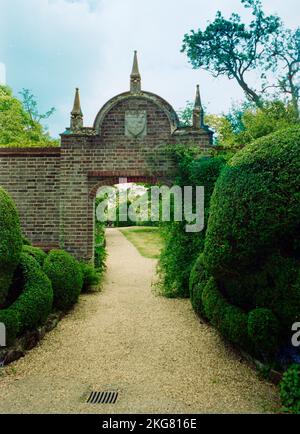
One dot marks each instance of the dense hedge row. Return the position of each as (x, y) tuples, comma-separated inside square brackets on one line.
[(180, 247), (34, 303), (290, 389), (243, 269), (251, 244), (66, 276), (38, 254), (33, 283), (10, 242)]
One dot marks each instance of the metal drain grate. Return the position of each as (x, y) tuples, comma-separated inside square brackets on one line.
[(103, 397)]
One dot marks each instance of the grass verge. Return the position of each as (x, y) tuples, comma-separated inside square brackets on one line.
[(147, 240)]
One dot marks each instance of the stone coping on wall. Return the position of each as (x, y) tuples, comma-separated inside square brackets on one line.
[(31, 152)]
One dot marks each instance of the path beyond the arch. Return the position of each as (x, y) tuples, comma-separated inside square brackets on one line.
[(153, 350)]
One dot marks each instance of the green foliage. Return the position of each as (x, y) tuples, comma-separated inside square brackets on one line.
[(66, 276), (198, 279), (228, 319), (175, 264), (100, 250), (263, 330), (250, 240), (25, 241), (290, 389), (20, 122), (10, 242), (10, 319), (91, 277), (247, 123), (185, 115), (283, 56), (274, 283), (31, 107), (34, 303), (38, 254), (255, 205), (119, 222), (232, 48)]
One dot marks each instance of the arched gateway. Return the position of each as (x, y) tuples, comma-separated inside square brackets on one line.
[(54, 188)]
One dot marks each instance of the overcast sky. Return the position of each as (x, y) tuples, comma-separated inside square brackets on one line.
[(53, 46)]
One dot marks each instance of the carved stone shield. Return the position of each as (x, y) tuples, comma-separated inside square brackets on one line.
[(136, 123)]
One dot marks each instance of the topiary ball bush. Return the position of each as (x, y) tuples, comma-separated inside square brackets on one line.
[(34, 303), (290, 389), (276, 285), (38, 254), (198, 279), (255, 207), (263, 330), (228, 319), (250, 245), (66, 276), (10, 242)]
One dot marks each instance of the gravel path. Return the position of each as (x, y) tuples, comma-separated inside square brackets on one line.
[(153, 350)]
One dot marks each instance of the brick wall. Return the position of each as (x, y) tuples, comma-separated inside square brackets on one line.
[(55, 191), (31, 177)]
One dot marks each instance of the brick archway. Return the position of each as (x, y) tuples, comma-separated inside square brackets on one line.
[(98, 179), (54, 189)]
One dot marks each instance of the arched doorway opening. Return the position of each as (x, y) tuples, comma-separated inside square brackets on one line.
[(99, 180)]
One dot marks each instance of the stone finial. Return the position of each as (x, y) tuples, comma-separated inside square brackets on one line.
[(135, 77), (198, 113), (76, 113)]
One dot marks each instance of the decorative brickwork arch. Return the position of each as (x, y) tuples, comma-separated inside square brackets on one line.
[(161, 104), (54, 189), (103, 179)]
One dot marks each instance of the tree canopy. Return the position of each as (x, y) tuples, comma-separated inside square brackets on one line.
[(20, 124), (232, 48)]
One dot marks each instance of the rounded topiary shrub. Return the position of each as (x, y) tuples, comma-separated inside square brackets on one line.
[(213, 302), (290, 389), (66, 276), (234, 326), (263, 330), (38, 254), (198, 279), (250, 246), (34, 303), (10, 242), (255, 205), (228, 319)]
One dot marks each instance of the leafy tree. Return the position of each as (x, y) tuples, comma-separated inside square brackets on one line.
[(233, 49), (185, 115), (284, 53), (218, 123), (20, 121), (245, 122), (30, 105)]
